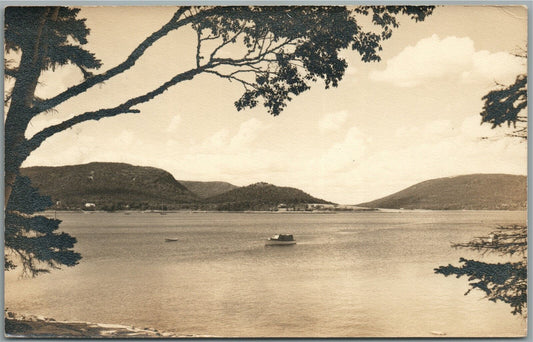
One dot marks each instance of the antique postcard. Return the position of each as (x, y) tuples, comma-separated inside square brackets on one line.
[(265, 171)]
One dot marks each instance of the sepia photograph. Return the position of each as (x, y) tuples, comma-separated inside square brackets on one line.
[(250, 171)]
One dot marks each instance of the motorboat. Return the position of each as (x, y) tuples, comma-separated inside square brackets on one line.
[(280, 240), (171, 239)]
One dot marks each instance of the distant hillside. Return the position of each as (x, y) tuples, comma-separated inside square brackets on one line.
[(207, 189), (469, 192), (262, 196), (109, 186), (116, 186)]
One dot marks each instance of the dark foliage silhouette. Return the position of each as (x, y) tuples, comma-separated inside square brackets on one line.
[(33, 239), (508, 105), (505, 282)]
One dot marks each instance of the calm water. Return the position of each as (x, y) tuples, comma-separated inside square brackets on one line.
[(351, 274)]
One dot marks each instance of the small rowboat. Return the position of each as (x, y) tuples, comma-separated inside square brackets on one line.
[(171, 239)]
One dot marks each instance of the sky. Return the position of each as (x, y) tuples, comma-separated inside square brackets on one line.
[(413, 116)]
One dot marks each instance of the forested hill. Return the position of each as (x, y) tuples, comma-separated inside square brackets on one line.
[(262, 196), (207, 189), (468, 192), (117, 186), (110, 186)]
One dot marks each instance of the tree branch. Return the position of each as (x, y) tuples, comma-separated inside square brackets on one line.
[(198, 46), (125, 107), (254, 47), (231, 77), (230, 40), (10, 72), (130, 61), (259, 58), (210, 37)]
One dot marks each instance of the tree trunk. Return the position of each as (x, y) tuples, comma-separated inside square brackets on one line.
[(34, 49)]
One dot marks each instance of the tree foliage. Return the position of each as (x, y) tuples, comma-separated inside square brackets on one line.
[(505, 282), (277, 53), (33, 238), (65, 34), (45, 38), (508, 105)]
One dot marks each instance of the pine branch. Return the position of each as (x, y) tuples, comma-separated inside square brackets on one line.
[(504, 241)]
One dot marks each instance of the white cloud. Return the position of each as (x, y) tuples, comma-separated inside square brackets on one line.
[(216, 141), (358, 169), (174, 123), (451, 58), (222, 156), (332, 122), (223, 142), (439, 149), (248, 132), (431, 131), (500, 66), (353, 169), (342, 156)]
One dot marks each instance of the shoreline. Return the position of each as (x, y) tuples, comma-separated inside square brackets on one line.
[(35, 326), (160, 212), (283, 212)]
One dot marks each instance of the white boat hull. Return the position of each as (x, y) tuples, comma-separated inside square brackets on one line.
[(279, 243)]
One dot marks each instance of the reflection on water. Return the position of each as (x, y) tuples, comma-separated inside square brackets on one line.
[(350, 274)]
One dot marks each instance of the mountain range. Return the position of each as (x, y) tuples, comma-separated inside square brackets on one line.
[(115, 186), (467, 192)]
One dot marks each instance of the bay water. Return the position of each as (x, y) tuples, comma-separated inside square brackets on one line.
[(353, 274)]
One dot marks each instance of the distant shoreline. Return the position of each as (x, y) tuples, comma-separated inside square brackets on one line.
[(313, 212), (163, 212)]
